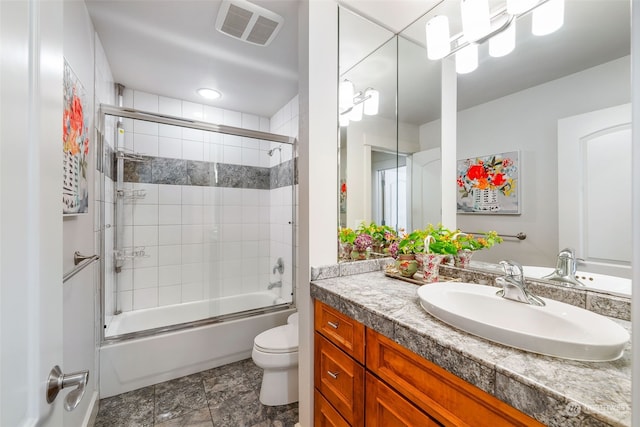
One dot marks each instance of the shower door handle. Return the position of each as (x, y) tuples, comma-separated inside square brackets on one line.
[(57, 381)]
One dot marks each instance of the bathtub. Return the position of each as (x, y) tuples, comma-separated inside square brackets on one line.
[(139, 362), (158, 317)]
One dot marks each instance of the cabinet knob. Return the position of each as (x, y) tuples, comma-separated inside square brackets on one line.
[(334, 325), (333, 375)]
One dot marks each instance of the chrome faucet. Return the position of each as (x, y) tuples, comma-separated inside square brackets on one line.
[(514, 286), (279, 267), (565, 271), (277, 284)]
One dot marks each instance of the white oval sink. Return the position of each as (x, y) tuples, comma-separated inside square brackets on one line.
[(557, 329)]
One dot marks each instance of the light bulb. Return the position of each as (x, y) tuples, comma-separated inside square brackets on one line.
[(438, 45), (517, 7), (345, 95), (467, 59), (356, 113), (504, 42), (475, 19), (371, 103), (344, 119), (547, 18)]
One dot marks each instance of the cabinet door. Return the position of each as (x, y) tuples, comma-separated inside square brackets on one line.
[(449, 399), (340, 379), (386, 408), (325, 415)]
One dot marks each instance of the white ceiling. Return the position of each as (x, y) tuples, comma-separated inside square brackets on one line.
[(171, 48)]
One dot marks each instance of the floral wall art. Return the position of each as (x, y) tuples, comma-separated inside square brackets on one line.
[(75, 146), (489, 184)]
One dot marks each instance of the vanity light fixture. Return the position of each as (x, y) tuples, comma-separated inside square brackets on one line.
[(353, 105), (208, 93), (479, 25)]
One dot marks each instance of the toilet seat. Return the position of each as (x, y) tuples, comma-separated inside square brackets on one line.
[(281, 339)]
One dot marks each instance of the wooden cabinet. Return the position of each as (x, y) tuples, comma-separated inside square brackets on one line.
[(339, 370), (386, 408), (402, 388), (447, 398)]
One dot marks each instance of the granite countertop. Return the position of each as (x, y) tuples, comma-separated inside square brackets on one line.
[(556, 392)]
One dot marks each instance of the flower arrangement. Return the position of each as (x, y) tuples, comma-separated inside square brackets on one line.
[(363, 242), (494, 174), (465, 241), (346, 235)]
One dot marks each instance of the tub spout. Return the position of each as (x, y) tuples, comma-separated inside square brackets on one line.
[(277, 284)]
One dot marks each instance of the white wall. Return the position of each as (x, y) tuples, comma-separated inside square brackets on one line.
[(79, 301), (318, 159), (527, 121)]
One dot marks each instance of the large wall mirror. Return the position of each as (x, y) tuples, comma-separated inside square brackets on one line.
[(538, 101)]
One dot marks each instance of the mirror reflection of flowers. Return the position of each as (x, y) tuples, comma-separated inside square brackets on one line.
[(362, 242), (343, 191), (497, 173)]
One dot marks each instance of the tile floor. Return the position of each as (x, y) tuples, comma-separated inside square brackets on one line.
[(227, 396)]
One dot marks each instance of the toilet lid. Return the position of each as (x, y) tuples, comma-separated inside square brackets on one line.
[(281, 339)]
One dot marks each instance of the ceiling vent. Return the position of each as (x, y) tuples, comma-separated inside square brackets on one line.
[(247, 22)]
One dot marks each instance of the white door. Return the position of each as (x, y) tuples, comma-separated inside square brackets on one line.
[(30, 210), (594, 199), (426, 190)]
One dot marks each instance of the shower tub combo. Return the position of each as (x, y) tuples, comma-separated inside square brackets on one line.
[(189, 248)]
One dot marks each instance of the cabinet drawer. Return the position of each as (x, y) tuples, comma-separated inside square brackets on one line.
[(343, 331), (449, 399), (386, 408), (340, 379), (324, 415)]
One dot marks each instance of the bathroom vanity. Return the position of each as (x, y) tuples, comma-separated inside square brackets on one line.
[(381, 360)]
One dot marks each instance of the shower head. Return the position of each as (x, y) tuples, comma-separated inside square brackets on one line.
[(270, 152)]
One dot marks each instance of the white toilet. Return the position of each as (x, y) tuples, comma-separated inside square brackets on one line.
[(276, 351)]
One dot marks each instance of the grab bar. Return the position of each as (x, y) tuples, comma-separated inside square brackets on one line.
[(77, 259), (519, 236)]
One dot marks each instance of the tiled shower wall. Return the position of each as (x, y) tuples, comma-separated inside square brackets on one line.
[(216, 211)]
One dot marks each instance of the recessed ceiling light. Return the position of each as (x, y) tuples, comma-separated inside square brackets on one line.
[(209, 93)]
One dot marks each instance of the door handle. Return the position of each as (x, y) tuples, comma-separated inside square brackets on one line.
[(57, 381)]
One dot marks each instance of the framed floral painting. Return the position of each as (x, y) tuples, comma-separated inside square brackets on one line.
[(489, 184), (75, 146)]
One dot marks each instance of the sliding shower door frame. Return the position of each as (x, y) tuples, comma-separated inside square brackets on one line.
[(130, 113)]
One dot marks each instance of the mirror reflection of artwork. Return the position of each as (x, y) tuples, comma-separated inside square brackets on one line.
[(343, 196), (75, 140), (489, 184)]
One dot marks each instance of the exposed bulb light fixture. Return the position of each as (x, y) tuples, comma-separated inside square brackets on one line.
[(467, 59), (480, 25), (548, 18), (503, 43), (345, 95), (356, 112), (371, 101), (517, 7), (438, 45), (353, 105), (208, 93), (476, 22)]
